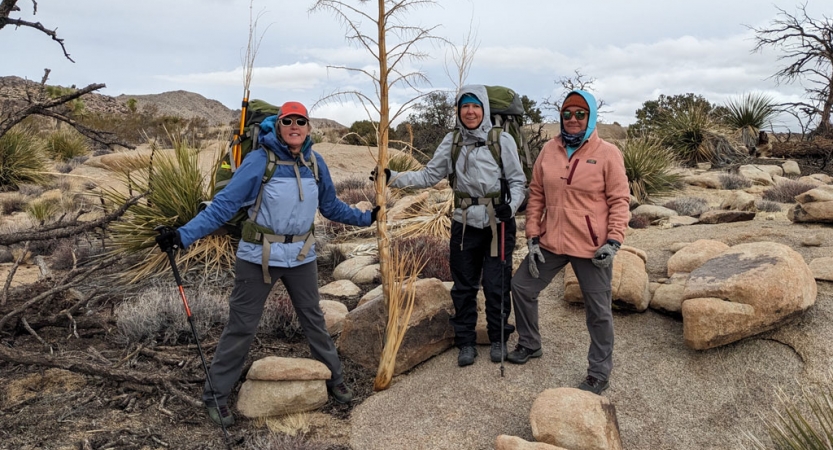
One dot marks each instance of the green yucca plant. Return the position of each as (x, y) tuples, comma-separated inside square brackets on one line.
[(648, 163), (21, 160), (42, 210), (403, 162), (694, 135), (66, 144), (798, 429), (175, 188), (749, 114)]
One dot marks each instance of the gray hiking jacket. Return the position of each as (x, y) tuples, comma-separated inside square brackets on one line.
[(477, 171)]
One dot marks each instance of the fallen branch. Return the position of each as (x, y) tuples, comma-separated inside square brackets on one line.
[(67, 229), (74, 365), (12, 272)]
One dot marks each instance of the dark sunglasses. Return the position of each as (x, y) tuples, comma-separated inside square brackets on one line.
[(580, 115), (300, 121)]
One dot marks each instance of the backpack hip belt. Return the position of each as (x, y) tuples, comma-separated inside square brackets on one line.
[(258, 234), (489, 203)]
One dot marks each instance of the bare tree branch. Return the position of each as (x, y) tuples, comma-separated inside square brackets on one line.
[(9, 6)]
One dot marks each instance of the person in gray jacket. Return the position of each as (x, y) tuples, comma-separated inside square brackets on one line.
[(481, 211)]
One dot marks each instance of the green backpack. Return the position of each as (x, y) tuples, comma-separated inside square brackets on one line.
[(256, 113), (507, 112)]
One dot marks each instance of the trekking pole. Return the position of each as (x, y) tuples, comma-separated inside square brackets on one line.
[(178, 279), (502, 293)]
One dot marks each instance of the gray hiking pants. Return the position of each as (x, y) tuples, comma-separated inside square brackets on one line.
[(245, 308), (597, 293)]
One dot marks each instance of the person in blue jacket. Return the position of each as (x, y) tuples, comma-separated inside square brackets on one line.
[(277, 244)]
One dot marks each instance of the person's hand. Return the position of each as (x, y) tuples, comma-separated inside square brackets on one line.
[(373, 175), (503, 211), (374, 213), (534, 252), (604, 255), (168, 239)]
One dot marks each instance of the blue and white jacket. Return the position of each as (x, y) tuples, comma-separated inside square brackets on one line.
[(281, 209)]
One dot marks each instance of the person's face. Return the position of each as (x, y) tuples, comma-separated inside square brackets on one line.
[(574, 125), (471, 114), (293, 133)]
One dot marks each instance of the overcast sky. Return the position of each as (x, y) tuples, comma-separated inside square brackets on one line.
[(635, 50)]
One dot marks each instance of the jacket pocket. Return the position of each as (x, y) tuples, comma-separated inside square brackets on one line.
[(593, 236)]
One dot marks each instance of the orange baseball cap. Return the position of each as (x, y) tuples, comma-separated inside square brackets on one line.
[(293, 109)]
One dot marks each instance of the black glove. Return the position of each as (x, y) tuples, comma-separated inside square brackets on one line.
[(503, 211), (168, 239), (374, 213), (604, 255), (387, 175)]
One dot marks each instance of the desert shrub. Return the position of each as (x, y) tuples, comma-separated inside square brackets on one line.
[(688, 206), (66, 255), (22, 160), (734, 181), (403, 162), (279, 317), (64, 167), (351, 183), (767, 206), (648, 164), (436, 253), (330, 255), (156, 314), (639, 221), (13, 203), (43, 210), (786, 191), (31, 190), (66, 144), (805, 423), (695, 135)]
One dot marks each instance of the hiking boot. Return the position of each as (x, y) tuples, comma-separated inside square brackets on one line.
[(594, 385), (215, 413), (341, 393), (466, 356), (497, 351), (522, 354)]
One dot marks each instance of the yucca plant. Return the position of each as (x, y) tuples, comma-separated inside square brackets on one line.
[(21, 160), (403, 162), (749, 114), (175, 188), (43, 210), (648, 163), (695, 136), (66, 144), (796, 428)]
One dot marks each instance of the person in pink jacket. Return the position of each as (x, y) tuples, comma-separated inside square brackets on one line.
[(577, 213)]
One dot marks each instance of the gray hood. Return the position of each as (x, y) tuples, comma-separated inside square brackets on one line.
[(481, 132)]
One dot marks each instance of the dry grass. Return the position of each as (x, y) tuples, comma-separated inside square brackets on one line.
[(403, 271)]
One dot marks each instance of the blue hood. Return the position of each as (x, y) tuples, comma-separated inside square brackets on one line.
[(269, 139), (591, 120)]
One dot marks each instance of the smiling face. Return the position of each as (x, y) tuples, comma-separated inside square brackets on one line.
[(471, 114), (293, 134)]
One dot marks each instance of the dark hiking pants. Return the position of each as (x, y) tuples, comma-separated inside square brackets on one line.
[(596, 290), (245, 308), (471, 265)]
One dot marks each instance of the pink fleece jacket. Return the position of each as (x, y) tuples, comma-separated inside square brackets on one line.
[(577, 204)]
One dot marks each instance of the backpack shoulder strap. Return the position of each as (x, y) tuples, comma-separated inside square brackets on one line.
[(268, 171), (493, 142), (455, 154)]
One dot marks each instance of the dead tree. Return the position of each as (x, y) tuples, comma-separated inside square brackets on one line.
[(7, 7), (806, 45)]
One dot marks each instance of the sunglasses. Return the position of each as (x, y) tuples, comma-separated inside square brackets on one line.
[(300, 121), (579, 115)]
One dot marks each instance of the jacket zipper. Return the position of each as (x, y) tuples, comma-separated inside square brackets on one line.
[(592, 234)]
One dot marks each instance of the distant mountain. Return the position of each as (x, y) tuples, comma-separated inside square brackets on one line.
[(187, 105)]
